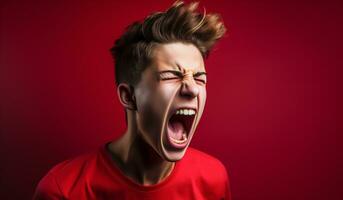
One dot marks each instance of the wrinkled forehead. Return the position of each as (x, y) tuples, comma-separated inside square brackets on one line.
[(177, 56)]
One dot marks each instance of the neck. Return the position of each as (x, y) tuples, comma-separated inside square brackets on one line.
[(138, 160)]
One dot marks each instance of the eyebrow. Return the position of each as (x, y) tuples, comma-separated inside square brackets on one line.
[(181, 69), (200, 73)]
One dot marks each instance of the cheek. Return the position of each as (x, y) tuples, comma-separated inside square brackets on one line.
[(167, 91), (202, 101), (145, 110), (162, 99), (203, 95), (152, 106)]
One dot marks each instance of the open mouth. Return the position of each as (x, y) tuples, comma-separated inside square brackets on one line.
[(179, 127)]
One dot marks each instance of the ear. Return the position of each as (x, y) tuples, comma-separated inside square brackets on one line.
[(126, 96)]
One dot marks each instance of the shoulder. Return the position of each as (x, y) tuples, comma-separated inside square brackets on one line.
[(207, 171), (63, 175), (75, 163), (205, 165), (203, 161), (70, 169)]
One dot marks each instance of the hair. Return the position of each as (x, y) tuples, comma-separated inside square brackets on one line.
[(133, 51)]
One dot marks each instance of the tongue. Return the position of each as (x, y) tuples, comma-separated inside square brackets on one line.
[(177, 130)]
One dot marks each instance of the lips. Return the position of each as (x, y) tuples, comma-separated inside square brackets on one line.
[(179, 126)]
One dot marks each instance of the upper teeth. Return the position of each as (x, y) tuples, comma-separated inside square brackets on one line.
[(185, 112)]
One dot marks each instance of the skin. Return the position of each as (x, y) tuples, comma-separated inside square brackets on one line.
[(176, 78)]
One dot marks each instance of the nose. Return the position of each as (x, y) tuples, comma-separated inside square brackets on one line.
[(189, 88)]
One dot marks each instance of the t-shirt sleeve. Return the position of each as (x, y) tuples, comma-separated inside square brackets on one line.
[(48, 189), (226, 183)]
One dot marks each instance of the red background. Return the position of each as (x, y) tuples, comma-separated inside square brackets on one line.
[(272, 92)]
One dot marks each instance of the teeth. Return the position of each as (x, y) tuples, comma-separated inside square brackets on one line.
[(185, 112), (183, 140)]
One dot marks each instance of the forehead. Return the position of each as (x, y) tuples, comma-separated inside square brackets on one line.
[(177, 55)]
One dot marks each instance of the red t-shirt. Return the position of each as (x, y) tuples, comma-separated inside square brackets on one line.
[(94, 176)]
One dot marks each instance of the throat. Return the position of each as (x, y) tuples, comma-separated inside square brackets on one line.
[(138, 161), (152, 177)]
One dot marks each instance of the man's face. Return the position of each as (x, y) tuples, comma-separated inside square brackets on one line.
[(170, 98)]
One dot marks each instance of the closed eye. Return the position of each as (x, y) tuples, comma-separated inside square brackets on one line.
[(200, 80), (173, 75), (200, 77), (170, 75)]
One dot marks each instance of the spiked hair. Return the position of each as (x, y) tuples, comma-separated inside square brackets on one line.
[(133, 51)]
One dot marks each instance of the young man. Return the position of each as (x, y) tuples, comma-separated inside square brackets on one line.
[(161, 82)]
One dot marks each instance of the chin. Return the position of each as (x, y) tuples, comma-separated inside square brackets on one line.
[(174, 156), (171, 153)]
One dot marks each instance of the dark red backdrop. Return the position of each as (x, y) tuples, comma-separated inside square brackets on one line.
[(272, 92)]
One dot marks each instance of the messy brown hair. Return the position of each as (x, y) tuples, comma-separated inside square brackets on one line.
[(132, 52)]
